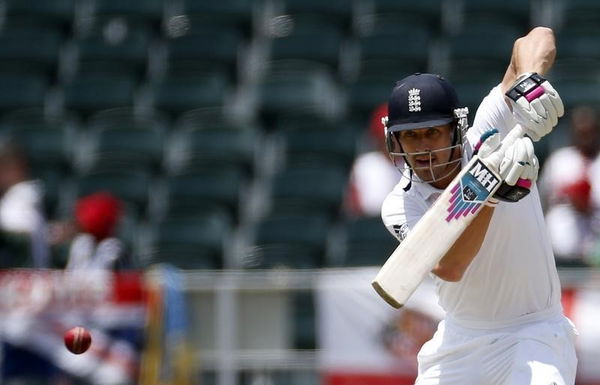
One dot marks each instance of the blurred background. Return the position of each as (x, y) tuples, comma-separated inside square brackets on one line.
[(199, 182)]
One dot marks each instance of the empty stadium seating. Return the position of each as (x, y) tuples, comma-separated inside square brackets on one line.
[(143, 97)]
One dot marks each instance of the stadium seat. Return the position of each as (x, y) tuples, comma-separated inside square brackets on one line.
[(177, 94), (315, 143), (336, 12), (426, 13), (55, 13), (470, 52), (199, 192), (131, 186), (289, 241), (579, 14), (204, 49), (90, 92), (299, 190), (191, 242), (113, 49), (122, 137), (29, 49), (367, 242), (579, 92), (47, 141), (579, 55), (142, 12), (369, 91), (471, 92), (201, 144), (394, 49), (514, 13), (231, 13), (22, 91), (288, 91), (308, 41)]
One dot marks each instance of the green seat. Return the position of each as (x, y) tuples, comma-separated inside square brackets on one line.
[(29, 49), (308, 190), (337, 12), (204, 49), (47, 141), (368, 92), (293, 91), (309, 41), (367, 242), (289, 241), (470, 50), (515, 13), (579, 92), (314, 143), (177, 94), (200, 143), (198, 192), (188, 242), (21, 91), (471, 92), (131, 186), (427, 13), (395, 49), (124, 140), (54, 13), (113, 50), (90, 92), (570, 69), (143, 12), (235, 13), (579, 14)]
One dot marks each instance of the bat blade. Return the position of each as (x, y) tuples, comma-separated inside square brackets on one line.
[(436, 232)]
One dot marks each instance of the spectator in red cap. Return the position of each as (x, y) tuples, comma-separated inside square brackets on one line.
[(97, 217), (373, 175)]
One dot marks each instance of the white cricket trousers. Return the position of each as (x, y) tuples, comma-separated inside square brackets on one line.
[(537, 353)]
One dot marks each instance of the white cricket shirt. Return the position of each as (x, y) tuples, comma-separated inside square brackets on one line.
[(513, 278)]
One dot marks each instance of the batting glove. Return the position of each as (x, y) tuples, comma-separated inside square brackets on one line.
[(536, 104), (514, 159)]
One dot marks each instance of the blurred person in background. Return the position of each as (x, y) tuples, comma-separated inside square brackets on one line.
[(22, 222), (571, 188), (373, 174), (90, 237)]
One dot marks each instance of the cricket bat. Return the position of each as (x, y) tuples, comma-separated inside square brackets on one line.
[(447, 218)]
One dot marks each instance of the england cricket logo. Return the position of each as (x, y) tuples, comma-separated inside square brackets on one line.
[(471, 191), (414, 100)]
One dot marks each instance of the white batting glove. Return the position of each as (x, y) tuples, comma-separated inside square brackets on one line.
[(519, 162), (536, 104)]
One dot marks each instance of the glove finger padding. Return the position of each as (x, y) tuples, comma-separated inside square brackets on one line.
[(517, 158), (536, 105), (554, 98)]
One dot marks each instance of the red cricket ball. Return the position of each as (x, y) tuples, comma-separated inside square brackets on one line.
[(78, 340)]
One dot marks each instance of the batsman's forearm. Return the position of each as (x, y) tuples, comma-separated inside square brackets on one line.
[(455, 262), (534, 52)]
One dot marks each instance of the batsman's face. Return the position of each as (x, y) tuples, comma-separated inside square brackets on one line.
[(429, 151)]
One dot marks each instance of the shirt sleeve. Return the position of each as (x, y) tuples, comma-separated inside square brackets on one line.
[(493, 112), (400, 214)]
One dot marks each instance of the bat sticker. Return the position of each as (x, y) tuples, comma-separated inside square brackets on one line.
[(471, 191)]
